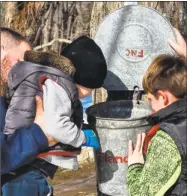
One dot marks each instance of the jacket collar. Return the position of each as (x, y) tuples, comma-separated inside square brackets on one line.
[(171, 112), (51, 59)]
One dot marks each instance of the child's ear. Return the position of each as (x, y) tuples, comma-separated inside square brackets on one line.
[(162, 95)]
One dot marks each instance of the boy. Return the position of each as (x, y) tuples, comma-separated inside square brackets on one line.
[(61, 91), (164, 170)]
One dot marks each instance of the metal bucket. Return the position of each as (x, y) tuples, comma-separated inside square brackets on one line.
[(115, 123)]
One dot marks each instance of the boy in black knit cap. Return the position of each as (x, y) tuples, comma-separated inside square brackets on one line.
[(48, 76), (89, 62)]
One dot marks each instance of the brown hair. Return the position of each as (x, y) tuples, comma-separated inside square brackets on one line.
[(166, 72)]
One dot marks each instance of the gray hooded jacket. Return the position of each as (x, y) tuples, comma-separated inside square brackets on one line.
[(24, 83)]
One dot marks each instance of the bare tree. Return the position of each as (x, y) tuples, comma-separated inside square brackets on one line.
[(48, 22), (52, 25)]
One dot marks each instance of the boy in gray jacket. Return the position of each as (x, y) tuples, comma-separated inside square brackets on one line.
[(61, 91)]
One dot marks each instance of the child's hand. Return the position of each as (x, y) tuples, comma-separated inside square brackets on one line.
[(136, 155), (90, 139), (180, 46)]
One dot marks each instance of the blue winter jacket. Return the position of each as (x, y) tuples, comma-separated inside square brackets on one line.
[(21, 147)]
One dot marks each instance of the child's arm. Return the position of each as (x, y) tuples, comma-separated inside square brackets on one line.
[(160, 171), (58, 112)]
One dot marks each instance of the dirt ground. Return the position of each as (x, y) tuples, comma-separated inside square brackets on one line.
[(76, 183)]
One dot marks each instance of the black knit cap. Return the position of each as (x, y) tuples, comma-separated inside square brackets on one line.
[(89, 62)]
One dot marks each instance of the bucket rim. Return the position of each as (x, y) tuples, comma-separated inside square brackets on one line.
[(116, 119)]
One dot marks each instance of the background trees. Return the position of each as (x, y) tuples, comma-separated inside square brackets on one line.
[(52, 25)]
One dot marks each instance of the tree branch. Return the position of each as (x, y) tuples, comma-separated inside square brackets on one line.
[(39, 32), (52, 42)]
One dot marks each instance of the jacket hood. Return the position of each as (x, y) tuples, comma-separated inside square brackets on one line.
[(46, 62), (51, 59)]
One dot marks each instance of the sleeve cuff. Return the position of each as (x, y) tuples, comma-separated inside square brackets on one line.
[(135, 165), (81, 139), (39, 137)]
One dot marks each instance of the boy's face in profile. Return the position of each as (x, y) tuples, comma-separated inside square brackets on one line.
[(161, 99), (83, 91), (157, 103)]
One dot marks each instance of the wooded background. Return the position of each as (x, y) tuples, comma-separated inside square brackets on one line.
[(52, 25)]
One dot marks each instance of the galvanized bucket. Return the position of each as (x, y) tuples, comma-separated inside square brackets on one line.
[(115, 123)]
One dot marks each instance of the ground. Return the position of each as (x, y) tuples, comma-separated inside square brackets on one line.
[(76, 183)]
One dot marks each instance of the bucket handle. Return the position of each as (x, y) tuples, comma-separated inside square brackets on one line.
[(136, 94)]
